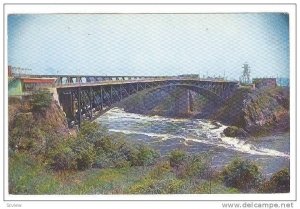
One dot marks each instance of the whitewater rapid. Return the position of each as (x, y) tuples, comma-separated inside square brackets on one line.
[(186, 130)]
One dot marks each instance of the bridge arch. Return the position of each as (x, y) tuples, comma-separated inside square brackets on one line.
[(211, 95), (100, 98)]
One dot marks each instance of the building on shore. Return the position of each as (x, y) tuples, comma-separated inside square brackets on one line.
[(21, 83), (27, 85)]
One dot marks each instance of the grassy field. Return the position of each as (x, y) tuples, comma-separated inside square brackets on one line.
[(27, 177)]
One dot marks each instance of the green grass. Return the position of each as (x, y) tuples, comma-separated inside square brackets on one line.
[(28, 175), (214, 187), (100, 181)]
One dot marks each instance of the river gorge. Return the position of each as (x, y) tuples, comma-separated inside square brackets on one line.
[(199, 136)]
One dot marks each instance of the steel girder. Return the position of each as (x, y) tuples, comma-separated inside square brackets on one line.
[(86, 102)]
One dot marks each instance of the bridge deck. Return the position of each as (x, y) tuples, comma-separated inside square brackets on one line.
[(117, 82)]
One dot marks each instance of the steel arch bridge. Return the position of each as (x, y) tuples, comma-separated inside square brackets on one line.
[(90, 100)]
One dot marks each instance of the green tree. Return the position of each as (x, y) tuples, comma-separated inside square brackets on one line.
[(41, 99), (177, 158), (279, 182), (63, 157), (243, 175), (92, 131), (85, 154), (143, 156)]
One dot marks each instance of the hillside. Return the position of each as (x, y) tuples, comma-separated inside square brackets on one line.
[(259, 112), (33, 129), (45, 159)]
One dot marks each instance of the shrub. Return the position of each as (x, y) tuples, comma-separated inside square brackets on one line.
[(41, 99), (93, 132), (177, 157), (144, 186), (63, 157), (213, 187), (85, 154), (160, 169), (279, 182), (174, 186), (242, 174), (114, 152), (144, 156), (106, 144), (21, 131), (193, 166)]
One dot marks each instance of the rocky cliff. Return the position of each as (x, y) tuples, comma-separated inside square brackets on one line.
[(29, 129)]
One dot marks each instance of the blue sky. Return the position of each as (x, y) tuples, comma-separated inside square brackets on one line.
[(150, 44)]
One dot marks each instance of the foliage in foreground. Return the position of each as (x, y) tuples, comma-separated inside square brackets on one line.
[(41, 99), (27, 176), (243, 175), (278, 183), (96, 162)]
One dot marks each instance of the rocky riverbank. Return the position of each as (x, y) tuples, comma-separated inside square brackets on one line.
[(249, 112), (258, 112)]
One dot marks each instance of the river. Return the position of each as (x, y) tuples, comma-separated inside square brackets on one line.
[(199, 136)]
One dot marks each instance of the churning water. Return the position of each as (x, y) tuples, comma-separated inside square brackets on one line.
[(198, 136)]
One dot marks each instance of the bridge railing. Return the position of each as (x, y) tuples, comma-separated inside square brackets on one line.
[(103, 82), (111, 82)]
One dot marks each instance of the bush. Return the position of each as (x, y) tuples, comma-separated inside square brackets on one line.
[(177, 157), (41, 99), (72, 154), (144, 156), (174, 186), (160, 169), (114, 152), (85, 154), (188, 165), (20, 133), (279, 182), (143, 186), (193, 166), (242, 174), (63, 157), (93, 132)]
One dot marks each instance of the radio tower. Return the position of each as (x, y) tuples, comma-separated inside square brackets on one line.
[(245, 78)]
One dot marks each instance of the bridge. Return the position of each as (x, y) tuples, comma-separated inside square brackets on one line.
[(86, 97)]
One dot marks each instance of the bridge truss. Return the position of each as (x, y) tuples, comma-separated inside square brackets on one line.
[(89, 100)]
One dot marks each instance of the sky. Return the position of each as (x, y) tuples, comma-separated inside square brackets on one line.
[(150, 44)]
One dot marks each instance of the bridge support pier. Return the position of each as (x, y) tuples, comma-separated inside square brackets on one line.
[(91, 98), (182, 105), (67, 102), (79, 107)]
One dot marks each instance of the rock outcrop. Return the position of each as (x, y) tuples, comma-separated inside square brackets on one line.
[(34, 129), (258, 112)]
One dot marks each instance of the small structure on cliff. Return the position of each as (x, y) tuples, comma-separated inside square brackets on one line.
[(264, 82), (21, 83)]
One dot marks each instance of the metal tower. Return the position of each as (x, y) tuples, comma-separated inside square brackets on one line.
[(245, 78)]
